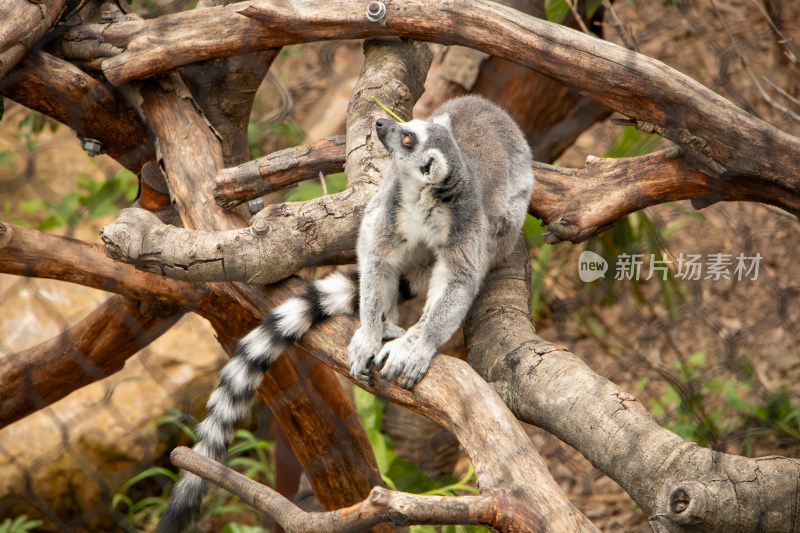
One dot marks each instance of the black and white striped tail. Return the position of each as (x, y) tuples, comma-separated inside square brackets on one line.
[(335, 294)]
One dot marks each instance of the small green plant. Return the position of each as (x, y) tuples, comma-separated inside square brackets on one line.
[(708, 410), (247, 454), (308, 189), (638, 233), (404, 475), (19, 524), (557, 10), (289, 129), (92, 199)]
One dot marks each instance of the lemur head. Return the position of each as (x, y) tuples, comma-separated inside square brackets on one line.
[(424, 150)]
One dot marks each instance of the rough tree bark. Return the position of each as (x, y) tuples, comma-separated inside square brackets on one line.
[(679, 485), (637, 86), (518, 493), (723, 154), (190, 155)]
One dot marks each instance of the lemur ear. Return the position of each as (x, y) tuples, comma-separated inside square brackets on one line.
[(434, 167), (443, 120)]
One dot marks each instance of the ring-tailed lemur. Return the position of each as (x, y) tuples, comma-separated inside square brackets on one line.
[(449, 208)]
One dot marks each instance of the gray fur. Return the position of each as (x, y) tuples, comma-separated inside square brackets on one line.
[(449, 209)]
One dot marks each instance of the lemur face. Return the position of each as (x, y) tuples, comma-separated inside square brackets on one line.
[(418, 147)]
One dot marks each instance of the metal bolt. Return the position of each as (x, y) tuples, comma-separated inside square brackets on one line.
[(376, 11), (92, 146), (260, 228), (255, 205)]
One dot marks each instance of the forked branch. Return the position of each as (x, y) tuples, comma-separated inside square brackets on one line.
[(676, 483), (507, 466), (382, 505)]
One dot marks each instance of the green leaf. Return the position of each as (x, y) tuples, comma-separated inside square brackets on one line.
[(19, 524), (631, 142), (235, 527), (556, 10), (697, 359), (150, 472), (369, 408), (591, 7), (306, 190)]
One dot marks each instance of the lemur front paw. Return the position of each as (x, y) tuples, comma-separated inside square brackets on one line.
[(360, 352), (392, 330), (406, 357)]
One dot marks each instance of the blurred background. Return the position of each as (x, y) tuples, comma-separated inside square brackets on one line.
[(716, 360)]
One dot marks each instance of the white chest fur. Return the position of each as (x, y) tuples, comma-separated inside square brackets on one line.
[(423, 220)]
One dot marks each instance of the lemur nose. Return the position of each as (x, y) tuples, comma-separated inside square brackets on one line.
[(382, 124)]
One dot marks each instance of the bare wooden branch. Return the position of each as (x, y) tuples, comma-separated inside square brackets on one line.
[(382, 505), (24, 23), (319, 231), (575, 203), (62, 91), (278, 170), (32, 253), (579, 203), (676, 483), (722, 136), (91, 350), (451, 394), (191, 155), (225, 89)]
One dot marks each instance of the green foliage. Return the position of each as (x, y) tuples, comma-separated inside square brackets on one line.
[(557, 10), (308, 189), (6, 158), (255, 132), (247, 454), (707, 410), (31, 125), (290, 130), (235, 527), (637, 233), (19, 524), (404, 475), (92, 199)]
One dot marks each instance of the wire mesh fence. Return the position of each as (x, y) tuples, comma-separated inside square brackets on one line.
[(715, 358)]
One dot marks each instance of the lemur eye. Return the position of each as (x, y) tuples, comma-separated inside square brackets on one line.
[(408, 140)]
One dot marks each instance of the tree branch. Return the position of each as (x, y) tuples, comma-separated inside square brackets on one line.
[(65, 93), (580, 203), (575, 203), (32, 253), (91, 350), (674, 482), (296, 234), (507, 466), (278, 170), (382, 505), (718, 136), (338, 461), (24, 23)]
